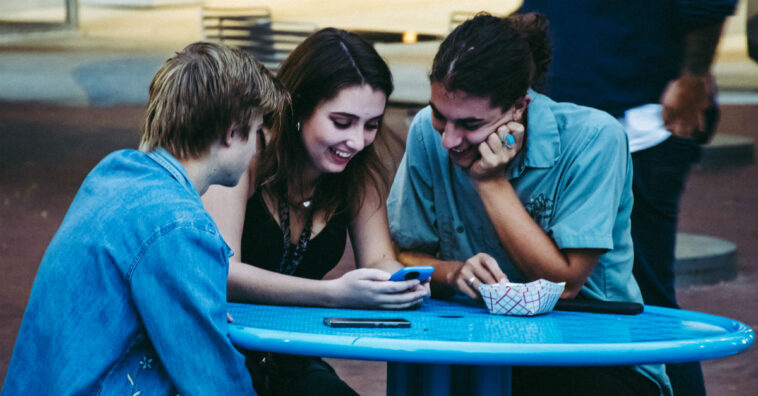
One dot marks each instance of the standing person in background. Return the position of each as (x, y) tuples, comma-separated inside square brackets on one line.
[(317, 181), (498, 180), (646, 62), (130, 297)]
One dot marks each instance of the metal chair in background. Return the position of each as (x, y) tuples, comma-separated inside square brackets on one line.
[(255, 31)]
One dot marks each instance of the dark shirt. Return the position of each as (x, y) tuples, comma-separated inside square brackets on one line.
[(263, 242), (613, 54)]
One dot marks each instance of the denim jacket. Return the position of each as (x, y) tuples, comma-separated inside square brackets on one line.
[(130, 295)]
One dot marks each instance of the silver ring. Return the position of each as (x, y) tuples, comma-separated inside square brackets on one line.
[(471, 281), (508, 141)]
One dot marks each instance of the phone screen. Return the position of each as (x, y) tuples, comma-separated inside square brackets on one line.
[(367, 322)]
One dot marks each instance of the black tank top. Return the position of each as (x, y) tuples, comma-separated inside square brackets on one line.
[(263, 245)]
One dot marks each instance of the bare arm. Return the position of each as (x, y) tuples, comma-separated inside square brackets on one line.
[(444, 271), (226, 206), (363, 288), (249, 283), (369, 235), (246, 282), (530, 249), (686, 98)]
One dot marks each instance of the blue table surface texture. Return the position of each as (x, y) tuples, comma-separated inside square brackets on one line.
[(462, 331)]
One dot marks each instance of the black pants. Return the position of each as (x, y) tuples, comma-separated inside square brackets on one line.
[(291, 375), (581, 381), (660, 173)]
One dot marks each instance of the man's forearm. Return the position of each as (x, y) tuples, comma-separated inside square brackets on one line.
[(686, 98), (443, 270), (700, 49)]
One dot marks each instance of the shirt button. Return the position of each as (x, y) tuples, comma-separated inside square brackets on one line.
[(459, 229)]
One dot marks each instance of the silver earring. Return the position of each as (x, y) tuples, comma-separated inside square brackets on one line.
[(298, 126)]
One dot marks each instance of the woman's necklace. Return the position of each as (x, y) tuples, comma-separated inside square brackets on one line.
[(304, 203), (293, 255)]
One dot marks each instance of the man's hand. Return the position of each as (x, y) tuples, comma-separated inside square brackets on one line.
[(478, 269), (684, 100), (497, 151)]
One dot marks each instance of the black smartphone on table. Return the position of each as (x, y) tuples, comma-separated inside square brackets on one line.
[(597, 306), (367, 322)]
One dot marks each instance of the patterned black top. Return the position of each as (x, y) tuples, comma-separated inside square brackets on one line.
[(263, 244)]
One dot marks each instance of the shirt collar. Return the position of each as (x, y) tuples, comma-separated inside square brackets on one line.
[(172, 166), (543, 143)]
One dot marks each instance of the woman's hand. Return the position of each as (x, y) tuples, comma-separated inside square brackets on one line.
[(478, 269), (371, 288), (497, 151)]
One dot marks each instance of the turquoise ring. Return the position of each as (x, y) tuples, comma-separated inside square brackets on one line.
[(508, 141)]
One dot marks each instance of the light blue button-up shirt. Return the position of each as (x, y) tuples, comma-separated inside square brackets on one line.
[(573, 177), (130, 296)]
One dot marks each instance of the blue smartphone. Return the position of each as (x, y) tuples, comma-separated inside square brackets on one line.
[(422, 273)]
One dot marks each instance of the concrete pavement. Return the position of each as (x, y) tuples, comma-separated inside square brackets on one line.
[(113, 55), (79, 79)]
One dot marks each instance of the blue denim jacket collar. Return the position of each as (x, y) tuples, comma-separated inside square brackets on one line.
[(174, 167)]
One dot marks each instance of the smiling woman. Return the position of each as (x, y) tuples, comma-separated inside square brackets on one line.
[(341, 128), (318, 180)]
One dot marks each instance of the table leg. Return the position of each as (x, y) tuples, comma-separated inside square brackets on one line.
[(436, 380), (491, 380), (403, 379), (413, 379)]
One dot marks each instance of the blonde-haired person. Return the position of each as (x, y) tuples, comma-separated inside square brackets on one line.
[(137, 272), (317, 181), (500, 182), (203, 90)]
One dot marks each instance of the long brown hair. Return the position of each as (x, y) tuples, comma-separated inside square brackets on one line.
[(326, 62)]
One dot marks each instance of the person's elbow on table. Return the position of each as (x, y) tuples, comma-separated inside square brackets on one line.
[(570, 291)]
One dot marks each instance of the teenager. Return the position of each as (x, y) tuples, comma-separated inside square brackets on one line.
[(501, 182), (130, 295), (318, 181)]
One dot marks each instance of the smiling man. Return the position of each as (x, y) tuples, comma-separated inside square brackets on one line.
[(499, 182)]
